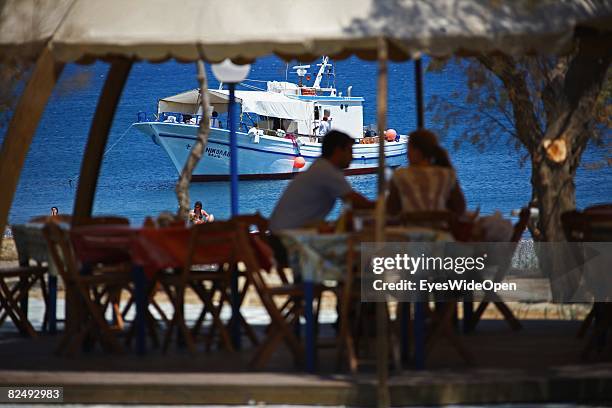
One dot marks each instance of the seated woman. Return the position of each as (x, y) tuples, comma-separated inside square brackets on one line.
[(198, 215), (429, 183)]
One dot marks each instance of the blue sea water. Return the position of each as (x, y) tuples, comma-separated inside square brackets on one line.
[(137, 178)]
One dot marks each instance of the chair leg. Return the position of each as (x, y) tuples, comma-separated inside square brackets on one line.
[(249, 331), (195, 330), (251, 335), (206, 298), (14, 293), (45, 295), (182, 326), (14, 311), (603, 322), (101, 324), (508, 316), (444, 327), (584, 327), (172, 323), (152, 325), (73, 320), (267, 347), (477, 315)]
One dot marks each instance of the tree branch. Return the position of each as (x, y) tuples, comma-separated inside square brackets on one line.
[(182, 186), (525, 119), (488, 115)]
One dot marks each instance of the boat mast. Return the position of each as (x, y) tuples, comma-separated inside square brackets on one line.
[(317, 82)]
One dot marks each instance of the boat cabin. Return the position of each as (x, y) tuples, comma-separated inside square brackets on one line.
[(282, 107)]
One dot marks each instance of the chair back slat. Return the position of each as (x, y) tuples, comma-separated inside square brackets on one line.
[(103, 220), (599, 208), (61, 251), (47, 218), (588, 226), (433, 219), (212, 243)]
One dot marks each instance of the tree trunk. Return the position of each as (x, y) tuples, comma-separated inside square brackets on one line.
[(554, 165), (554, 193), (182, 186)]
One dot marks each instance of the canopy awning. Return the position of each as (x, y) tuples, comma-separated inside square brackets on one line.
[(188, 102), (262, 103), (271, 104), (155, 30)]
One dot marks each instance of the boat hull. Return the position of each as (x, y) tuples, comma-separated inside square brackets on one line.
[(269, 157)]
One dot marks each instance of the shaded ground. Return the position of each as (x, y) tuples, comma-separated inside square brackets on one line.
[(539, 363)]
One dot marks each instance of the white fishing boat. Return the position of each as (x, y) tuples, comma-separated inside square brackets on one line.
[(278, 134)]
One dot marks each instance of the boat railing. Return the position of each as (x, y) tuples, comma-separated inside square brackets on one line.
[(169, 117), (179, 117)]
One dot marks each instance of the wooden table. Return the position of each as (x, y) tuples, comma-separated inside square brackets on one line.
[(149, 249), (322, 257)]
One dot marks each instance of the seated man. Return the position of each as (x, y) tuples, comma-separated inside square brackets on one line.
[(312, 194)]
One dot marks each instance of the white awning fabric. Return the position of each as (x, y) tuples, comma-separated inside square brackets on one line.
[(271, 104), (187, 102), (243, 30), (257, 102)]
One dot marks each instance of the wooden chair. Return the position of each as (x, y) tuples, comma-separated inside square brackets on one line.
[(592, 225), (15, 284), (283, 302), (503, 267), (220, 288), (86, 295), (115, 266), (442, 318), (351, 318), (244, 222), (210, 244)]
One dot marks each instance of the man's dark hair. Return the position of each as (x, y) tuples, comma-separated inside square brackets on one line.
[(333, 140)]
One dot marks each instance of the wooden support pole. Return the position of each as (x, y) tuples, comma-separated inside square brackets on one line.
[(418, 86), (381, 111), (22, 128), (98, 136), (382, 334)]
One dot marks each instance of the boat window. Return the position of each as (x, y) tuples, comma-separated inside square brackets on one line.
[(316, 113), (291, 126), (277, 123)]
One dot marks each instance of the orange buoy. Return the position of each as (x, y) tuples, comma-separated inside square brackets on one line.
[(299, 162)]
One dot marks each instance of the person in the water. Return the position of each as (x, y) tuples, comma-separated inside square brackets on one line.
[(198, 215)]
